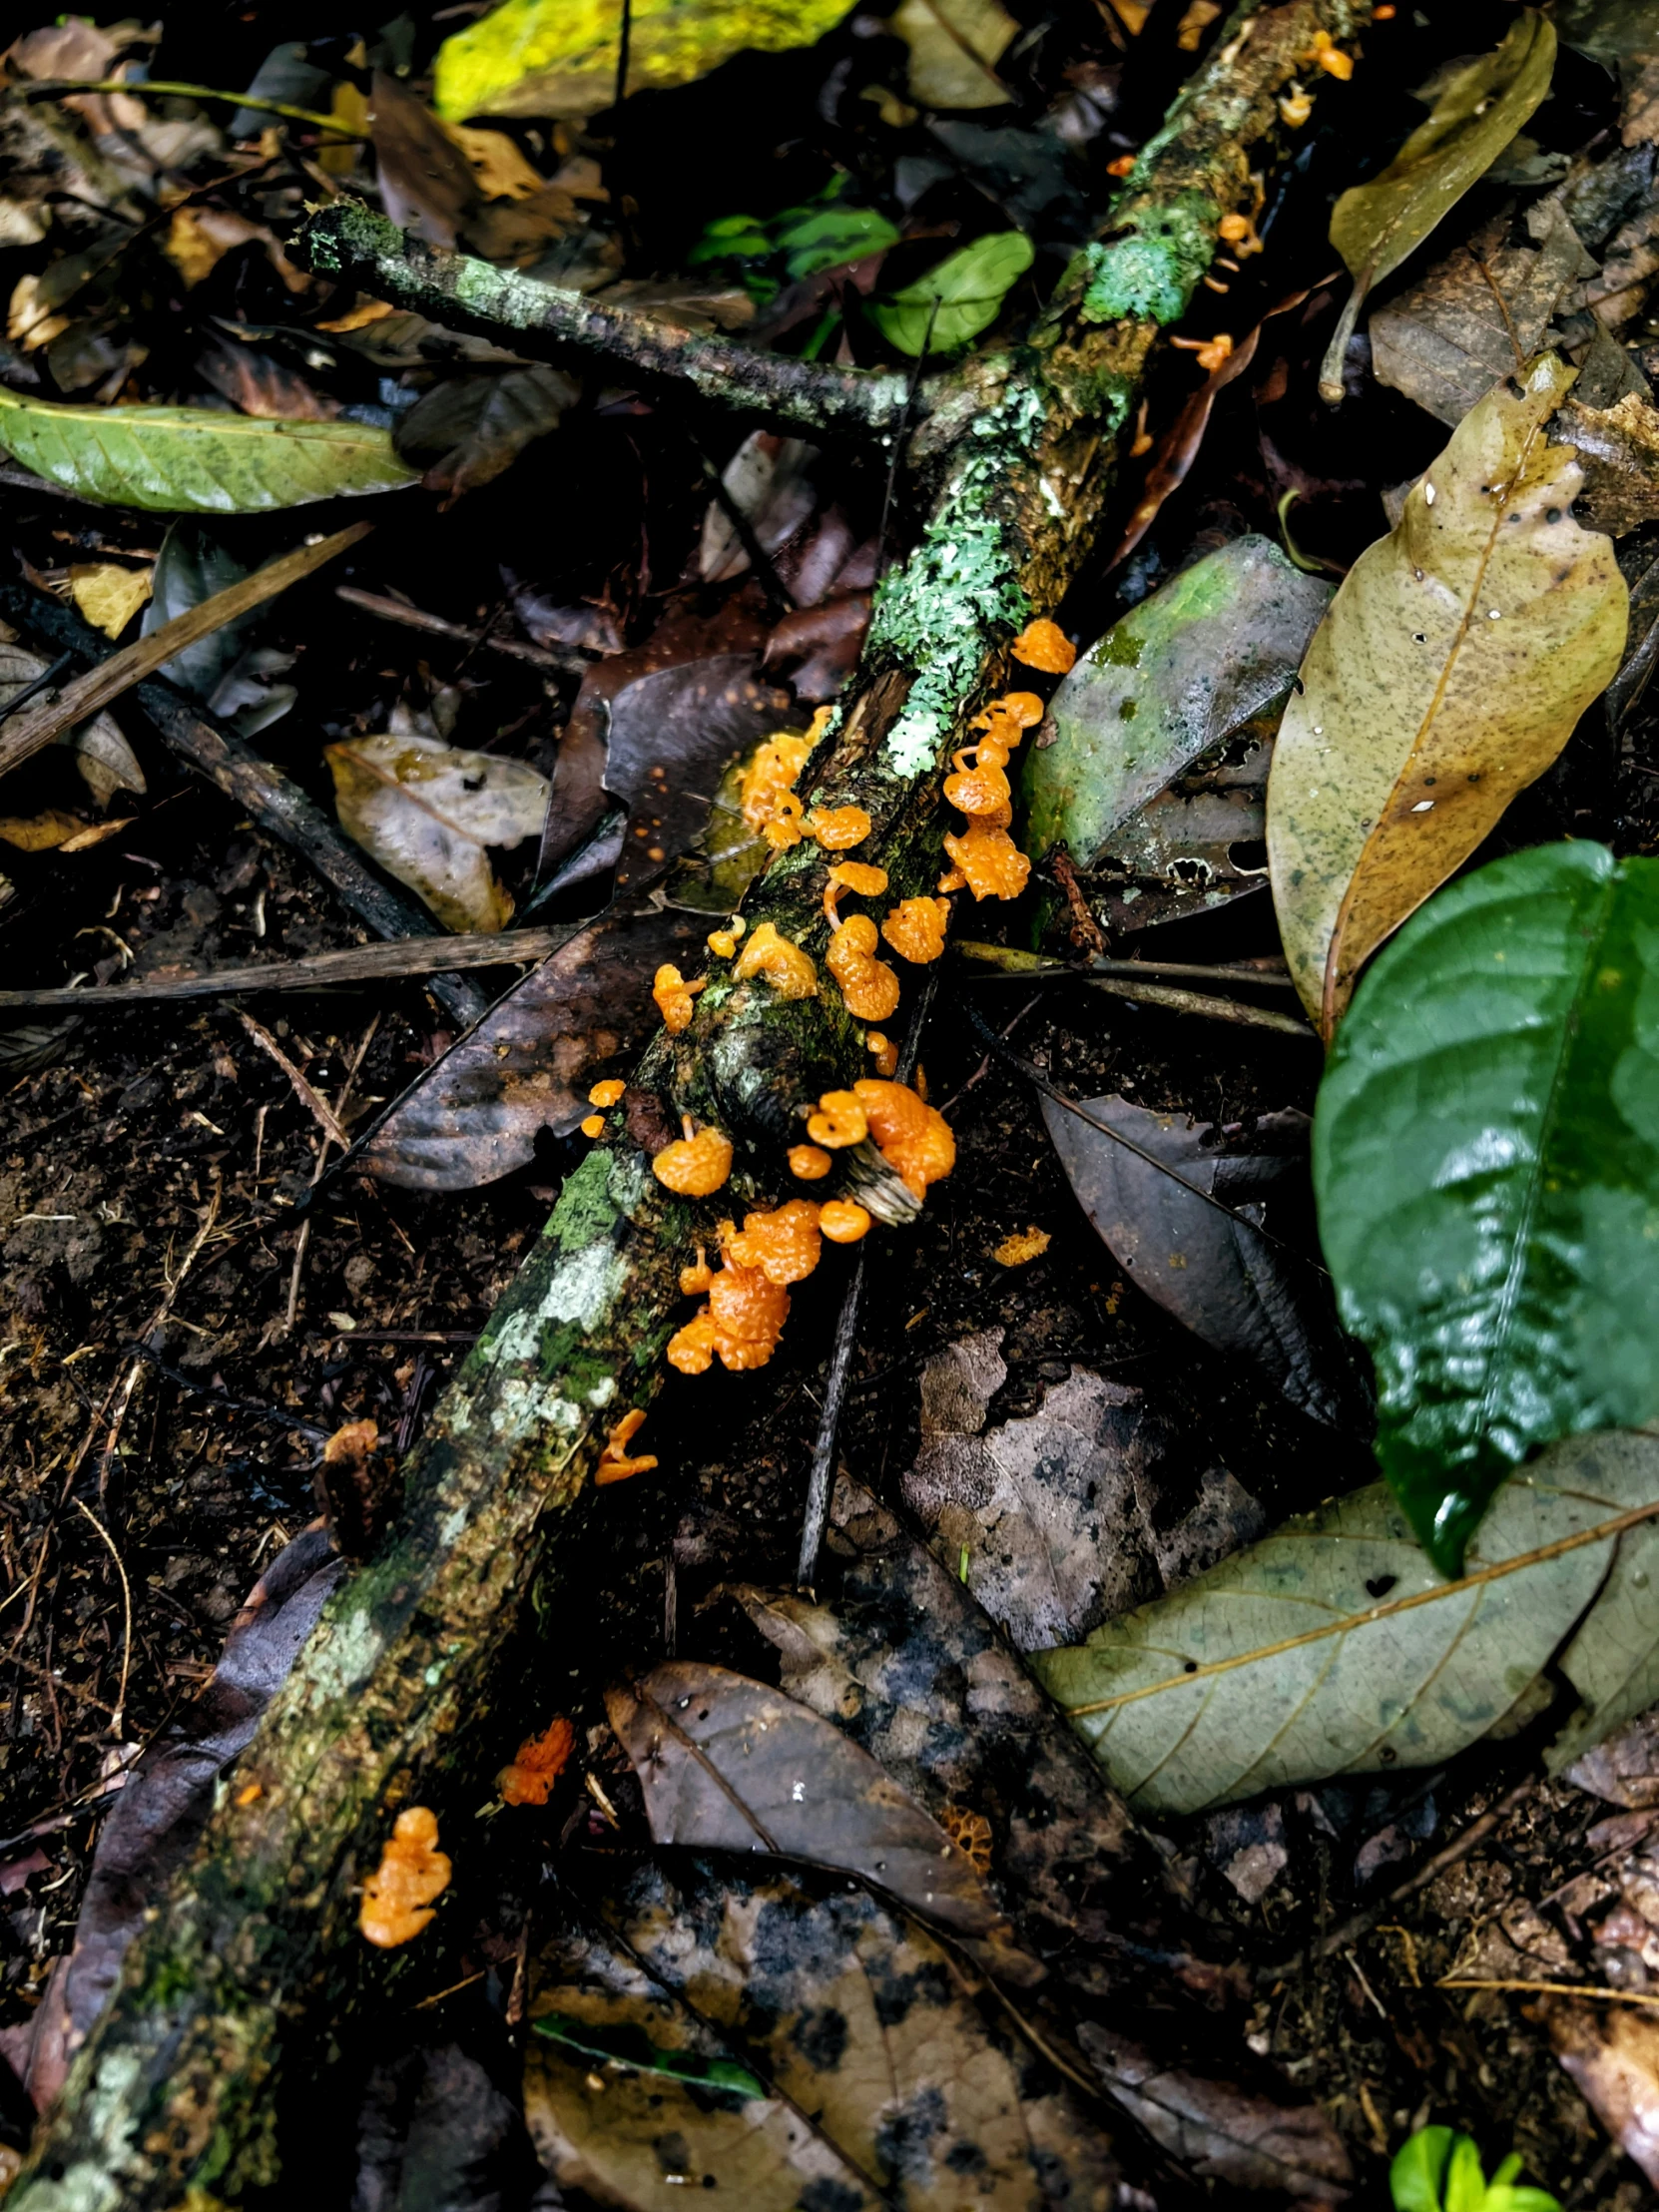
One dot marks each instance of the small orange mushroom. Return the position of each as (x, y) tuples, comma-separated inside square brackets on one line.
[(786, 967), (593, 1125), (838, 829), (1043, 644), (412, 1874), (607, 1092), (857, 877), (784, 1244), (673, 997), (614, 1462), (841, 1120), (910, 1135), (770, 778), (983, 790), (537, 1764), (843, 1219), (696, 1163), (741, 1324), (991, 864), (883, 1051), (1023, 706), (722, 942), (807, 1161), (869, 986), (916, 929)]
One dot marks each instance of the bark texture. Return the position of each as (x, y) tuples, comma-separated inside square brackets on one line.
[(388, 1705)]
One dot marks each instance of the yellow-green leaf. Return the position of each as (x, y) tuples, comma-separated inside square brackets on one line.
[(1476, 111), (1450, 672), (109, 593), (559, 57), (195, 460)]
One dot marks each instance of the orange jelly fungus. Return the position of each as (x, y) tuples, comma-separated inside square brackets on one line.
[(694, 1166), (674, 998), (883, 1051), (1043, 644), (843, 1219), (412, 1873), (809, 1162), (912, 1136), (916, 929), (784, 1244), (722, 942), (593, 1125), (841, 1120), (607, 1092), (981, 790), (769, 778), (693, 1281), (616, 1465), (851, 876), (1021, 706), (786, 967), (741, 1323), (838, 829), (868, 986), (989, 861), (537, 1765)]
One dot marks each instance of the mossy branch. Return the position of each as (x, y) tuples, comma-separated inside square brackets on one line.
[(175, 2094)]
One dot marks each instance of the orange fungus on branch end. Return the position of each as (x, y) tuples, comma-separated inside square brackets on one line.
[(695, 1166), (412, 1873), (912, 1136), (593, 1125), (786, 967), (537, 1765), (607, 1092), (1043, 644), (615, 1463)]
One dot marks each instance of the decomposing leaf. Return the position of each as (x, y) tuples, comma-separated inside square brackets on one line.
[(433, 185), (195, 460), (468, 430), (106, 762), (1454, 661), (559, 57), (1476, 315), (1486, 1158), (1476, 111), (769, 481), (1334, 1646), (726, 1764), (1205, 1264), (955, 46), (53, 830), (883, 2081), (1194, 846), (1612, 2053), (528, 1065), (257, 384), (225, 671), (949, 307), (1192, 666), (108, 593), (1618, 450), (427, 812)]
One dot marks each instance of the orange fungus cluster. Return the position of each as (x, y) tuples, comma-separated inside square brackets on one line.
[(696, 1163), (786, 967), (912, 1136), (616, 1463), (916, 929), (741, 1324), (868, 986), (537, 1765), (674, 998), (986, 859), (398, 1898), (784, 1244)]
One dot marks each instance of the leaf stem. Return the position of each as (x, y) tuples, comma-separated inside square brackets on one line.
[(62, 88)]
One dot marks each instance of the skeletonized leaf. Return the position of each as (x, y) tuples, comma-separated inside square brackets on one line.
[(195, 460), (1197, 662), (1486, 1161), (1332, 1646), (949, 307), (1476, 111), (426, 811), (1456, 657), (955, 46), (559, 57), (1215, 1271), (108, 593)]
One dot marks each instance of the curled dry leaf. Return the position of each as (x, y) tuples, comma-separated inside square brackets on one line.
[(1334, 1646), (427, 812), (527, 1066), (470, 429), (1478, 111), (769, 481), (225, 671), (106, 762), (1208, 1265), (1455, 659)]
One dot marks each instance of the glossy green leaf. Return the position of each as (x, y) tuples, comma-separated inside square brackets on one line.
[(1419, 2165), (1333, 1647), (199, 460), (1486, 1161), (949, 307), (1478, 111), (559, 57), (1197, 662)]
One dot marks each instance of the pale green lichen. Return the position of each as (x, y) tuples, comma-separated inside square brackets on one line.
[(940, 614), (1150, 273)]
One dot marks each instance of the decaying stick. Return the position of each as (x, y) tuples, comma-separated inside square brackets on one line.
[(274, 801), (177, 2093)]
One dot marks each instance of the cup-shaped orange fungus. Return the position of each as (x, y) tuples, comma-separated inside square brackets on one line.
[(838, 829), (840, 1120), (916, 929), (1044, 645), (912, 1136), (741, 1324), (868, 986), (694, 1166), (412, 1873), (991, 864), (616, 1463), (843, 1219), (786, 967)]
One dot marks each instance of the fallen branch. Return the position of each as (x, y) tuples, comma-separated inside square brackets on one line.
[(390, 1703)]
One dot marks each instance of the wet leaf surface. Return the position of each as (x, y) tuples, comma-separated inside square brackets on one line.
[(470, 429), (1455, 659), (1334, 1646), (429, 813), (1487, 1168), (1210, 1265), (1187, 669)]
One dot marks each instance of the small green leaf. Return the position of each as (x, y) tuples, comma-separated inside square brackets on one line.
[(1486, 1161), (1476, 111), (1415, 2176), (633, 2050), (181, 460), (1465, 2182), (829, 237), (958, 298)]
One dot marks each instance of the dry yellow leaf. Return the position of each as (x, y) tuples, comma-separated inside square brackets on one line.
[(361, 316), (108, 594), (52, 831), (30, 324), (501, 169)]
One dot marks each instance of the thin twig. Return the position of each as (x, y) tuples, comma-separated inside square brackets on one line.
[(127, 1618), (35, 685), (569, 660), (317, 1107), (163, 88), (1010, 960), (623, 45), (1120, 986), (1590, 1990), (304, 1240)]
